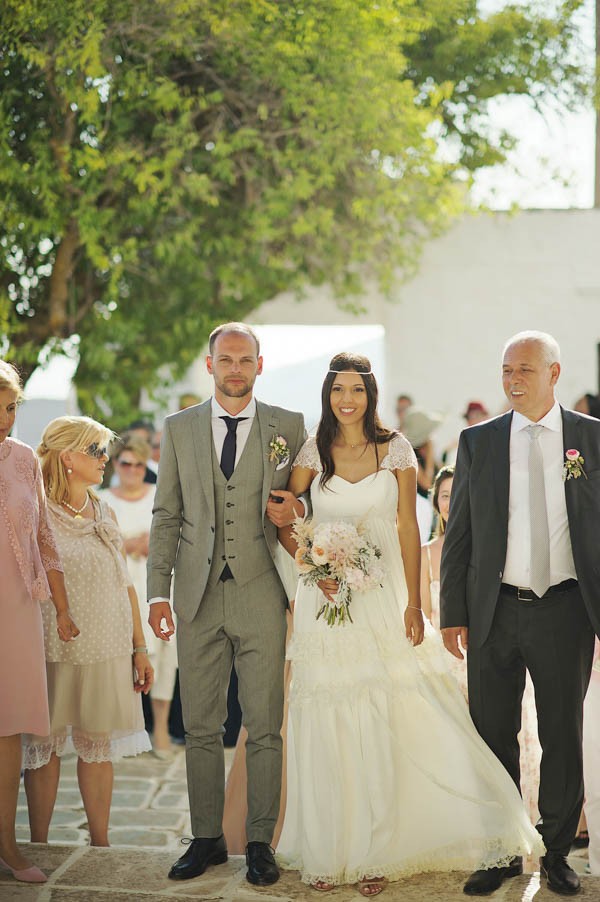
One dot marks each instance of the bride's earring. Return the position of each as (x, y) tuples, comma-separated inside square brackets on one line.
[(69, 471)]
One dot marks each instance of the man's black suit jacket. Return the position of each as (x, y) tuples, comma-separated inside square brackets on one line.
[(475, 544)]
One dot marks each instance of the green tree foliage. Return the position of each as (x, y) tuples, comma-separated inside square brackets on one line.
[(169, 164)]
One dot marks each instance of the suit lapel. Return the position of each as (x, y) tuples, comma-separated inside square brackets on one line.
[(202, 442), (500, 451), (571, 439), (268, 424)]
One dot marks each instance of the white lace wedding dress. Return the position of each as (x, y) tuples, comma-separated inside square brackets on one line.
[(386, 774)]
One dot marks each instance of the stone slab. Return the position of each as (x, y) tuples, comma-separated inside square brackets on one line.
[(149, 817)]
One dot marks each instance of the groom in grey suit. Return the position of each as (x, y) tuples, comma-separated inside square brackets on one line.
[(220, 498), (521, 586)]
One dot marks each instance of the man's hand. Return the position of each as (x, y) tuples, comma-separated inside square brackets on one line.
[(451, 635), (283, 513), (159, 611)]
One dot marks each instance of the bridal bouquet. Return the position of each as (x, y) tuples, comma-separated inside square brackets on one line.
[(340, 551)]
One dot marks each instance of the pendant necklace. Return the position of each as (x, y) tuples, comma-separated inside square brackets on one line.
[(77, 510)]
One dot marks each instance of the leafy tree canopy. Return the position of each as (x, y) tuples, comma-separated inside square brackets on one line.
[(166, 165)]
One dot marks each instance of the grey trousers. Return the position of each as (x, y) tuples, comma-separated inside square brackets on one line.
[(245, 627)]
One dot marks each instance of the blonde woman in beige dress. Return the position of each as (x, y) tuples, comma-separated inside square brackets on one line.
[(94, 683)]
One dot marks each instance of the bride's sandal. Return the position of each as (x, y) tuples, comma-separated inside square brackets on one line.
[(322, 887), (371, 886)]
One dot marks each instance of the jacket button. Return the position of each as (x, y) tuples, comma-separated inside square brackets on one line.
[(232, 557), (229, 504), (212, 529), (228, 522), (230, 488), (209, 560)]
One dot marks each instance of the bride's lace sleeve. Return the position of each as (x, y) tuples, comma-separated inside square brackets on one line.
[(400, 455), (308, 456)]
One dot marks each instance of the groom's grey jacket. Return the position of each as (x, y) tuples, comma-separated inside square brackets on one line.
[(186, 518), (474, 549)]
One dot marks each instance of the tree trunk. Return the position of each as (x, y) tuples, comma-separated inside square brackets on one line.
[(60, 279)]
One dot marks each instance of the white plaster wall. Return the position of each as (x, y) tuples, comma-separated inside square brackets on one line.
[(489, 277)]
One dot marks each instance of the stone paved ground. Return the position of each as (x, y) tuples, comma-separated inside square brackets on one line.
[(149, 816)]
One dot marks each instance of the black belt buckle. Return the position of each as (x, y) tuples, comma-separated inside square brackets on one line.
[(525, 594)]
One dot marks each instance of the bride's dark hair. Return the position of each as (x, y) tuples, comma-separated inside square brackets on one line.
[(374, 430)]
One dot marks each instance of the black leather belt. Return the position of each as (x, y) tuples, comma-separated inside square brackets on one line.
[(524, 594)]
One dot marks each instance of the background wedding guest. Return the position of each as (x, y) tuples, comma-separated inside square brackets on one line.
[(589, 404), (31, 573), (419, 426), (143, 429), (154, 459), (430, 564), (93, 684), (476, 412), (403, 404), (131, 499)]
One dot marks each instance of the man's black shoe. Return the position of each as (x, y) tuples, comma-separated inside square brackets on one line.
[(262, 870), (560, 877), (201, 853), (482, 883)]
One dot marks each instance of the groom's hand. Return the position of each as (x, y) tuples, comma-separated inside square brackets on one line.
[(451, 635), (285, 511), (159, 611)]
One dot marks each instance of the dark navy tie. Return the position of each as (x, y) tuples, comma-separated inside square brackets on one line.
[(229, 445)]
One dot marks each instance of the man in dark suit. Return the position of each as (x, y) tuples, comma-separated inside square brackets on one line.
[(520, 586)]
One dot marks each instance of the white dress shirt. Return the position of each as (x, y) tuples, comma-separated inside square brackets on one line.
[(219, 427), (518, 550)]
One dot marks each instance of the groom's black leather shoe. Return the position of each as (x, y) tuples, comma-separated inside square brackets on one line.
[(200, 854), (560, 877), (482, 883), (262, 870)]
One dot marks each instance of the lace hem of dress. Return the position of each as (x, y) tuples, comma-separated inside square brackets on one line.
[(92, 750), (463, 856)]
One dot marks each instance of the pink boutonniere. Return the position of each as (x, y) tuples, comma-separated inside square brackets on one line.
[(573, 465)]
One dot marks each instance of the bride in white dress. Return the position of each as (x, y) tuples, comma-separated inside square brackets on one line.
[(386, 775)]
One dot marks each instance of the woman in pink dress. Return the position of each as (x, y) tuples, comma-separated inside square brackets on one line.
[(31, 573)]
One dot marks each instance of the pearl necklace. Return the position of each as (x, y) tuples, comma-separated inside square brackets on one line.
[(77, 510)]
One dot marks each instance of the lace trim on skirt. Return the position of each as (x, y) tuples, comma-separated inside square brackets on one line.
[(464, 856), (91, 749)]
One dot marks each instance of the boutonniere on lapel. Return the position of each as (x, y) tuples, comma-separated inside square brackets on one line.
[(279, 451), (573, 465)]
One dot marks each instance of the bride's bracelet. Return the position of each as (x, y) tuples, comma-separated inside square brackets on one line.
[(414, 607)]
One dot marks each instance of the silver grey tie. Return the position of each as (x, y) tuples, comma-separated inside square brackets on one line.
[(538, 516)]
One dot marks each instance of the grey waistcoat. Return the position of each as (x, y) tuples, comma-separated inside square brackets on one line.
[(239, 535)]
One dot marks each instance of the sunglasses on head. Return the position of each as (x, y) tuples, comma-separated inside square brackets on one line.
[(94, 450)]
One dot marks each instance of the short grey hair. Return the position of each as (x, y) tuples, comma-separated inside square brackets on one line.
[(549, 344)]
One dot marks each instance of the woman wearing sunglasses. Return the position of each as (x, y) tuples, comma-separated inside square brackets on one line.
[(94, 682), (132, 499)]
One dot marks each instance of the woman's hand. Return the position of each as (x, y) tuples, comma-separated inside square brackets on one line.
[(66, 627), (415, 627), (144, 672), (328, 587)]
